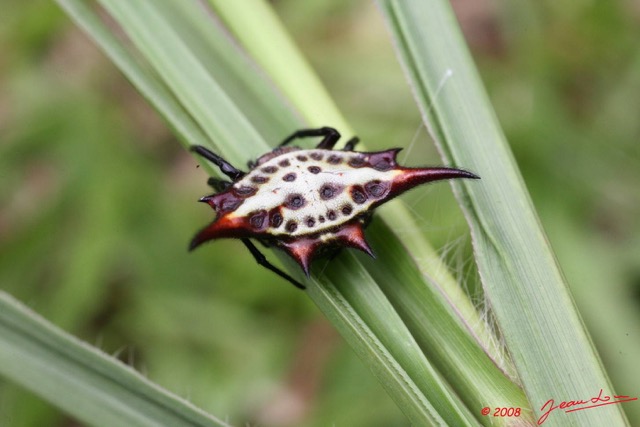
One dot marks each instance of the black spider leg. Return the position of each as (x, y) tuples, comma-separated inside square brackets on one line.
[(351, 144), (219, 185), (225, 167), (262, 260), (331, 136)]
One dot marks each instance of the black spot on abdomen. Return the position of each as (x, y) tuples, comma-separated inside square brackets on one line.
[(334, 160), (291, 226), (290, 177), (245, 191), (257, 220), (259, 179), (329, 191), (294, 201), (269, 169), (376, 188), (357, 195), (275, 218)]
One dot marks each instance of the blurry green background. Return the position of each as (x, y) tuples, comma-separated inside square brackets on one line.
[(98, 202)]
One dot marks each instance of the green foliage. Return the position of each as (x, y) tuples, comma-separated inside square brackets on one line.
[(82, 381)]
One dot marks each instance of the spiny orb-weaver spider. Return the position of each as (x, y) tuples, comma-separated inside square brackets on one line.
[(308, 202)]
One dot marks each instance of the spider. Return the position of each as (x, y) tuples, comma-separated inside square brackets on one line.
[(308, 202)]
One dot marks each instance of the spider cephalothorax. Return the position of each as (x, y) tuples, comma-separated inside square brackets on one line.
[(308, 202)]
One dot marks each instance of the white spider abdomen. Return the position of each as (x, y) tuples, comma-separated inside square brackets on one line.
[(310, 191)]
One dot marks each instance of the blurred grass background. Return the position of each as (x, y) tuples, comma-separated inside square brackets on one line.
[(97, 202)]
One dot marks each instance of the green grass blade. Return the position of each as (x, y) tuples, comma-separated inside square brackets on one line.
[(404, 369), (448, 334), (196, 89), (291, 73), (295, 78), (93, 387), (443, 340), (140, 27), (393, 313), (210, 44), (363, 315), (148, 85), (543, 332)]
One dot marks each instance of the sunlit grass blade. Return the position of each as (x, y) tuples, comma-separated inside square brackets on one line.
[(210, 43), (195, 88), (301, 85), (147, 83), (460, 328), (523, 284), (474, 375), (420, 344), (403, 370), (292, 74), (93, 387), (363, 315)]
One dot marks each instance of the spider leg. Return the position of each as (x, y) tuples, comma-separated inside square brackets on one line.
[(331, 136), (350, 145), (218, 184), (225, 167), (262, 260), (334, 254), (264, 243)]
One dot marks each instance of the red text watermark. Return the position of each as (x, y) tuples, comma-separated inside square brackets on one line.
[(579, 405)]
